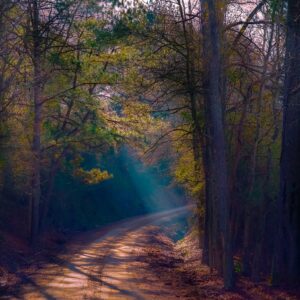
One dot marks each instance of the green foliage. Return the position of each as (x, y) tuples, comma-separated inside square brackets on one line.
[(238, 267), (111, 79), (185, 172), (93, 176)]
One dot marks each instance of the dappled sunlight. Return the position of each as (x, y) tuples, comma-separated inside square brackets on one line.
[(114, 115), (104, 269)]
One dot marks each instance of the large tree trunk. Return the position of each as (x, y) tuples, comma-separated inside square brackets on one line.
[(216, 141), (287, 256)]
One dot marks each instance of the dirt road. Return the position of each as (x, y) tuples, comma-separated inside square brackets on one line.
[(106, 268)]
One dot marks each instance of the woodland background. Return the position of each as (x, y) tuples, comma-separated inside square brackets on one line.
[(205, 93)]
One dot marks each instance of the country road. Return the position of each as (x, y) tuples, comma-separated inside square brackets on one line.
[(106, 268)]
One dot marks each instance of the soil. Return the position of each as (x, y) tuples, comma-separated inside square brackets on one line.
[(132, 259), (179, 265)]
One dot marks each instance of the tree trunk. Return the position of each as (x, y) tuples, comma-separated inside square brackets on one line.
[(216, 139), (36, 143), (287, 255), (197, 138)]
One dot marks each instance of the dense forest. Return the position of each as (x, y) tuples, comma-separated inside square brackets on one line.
[(113, 109)]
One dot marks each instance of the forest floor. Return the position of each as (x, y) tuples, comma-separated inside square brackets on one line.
[(134, 259), (179, 265)]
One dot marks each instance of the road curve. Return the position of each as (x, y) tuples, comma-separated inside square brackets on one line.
[(104, 269)]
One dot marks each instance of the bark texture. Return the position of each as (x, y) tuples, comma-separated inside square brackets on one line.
[(218, 223), (287, 258)]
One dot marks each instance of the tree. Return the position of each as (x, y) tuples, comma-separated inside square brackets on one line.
[(287, 256), (216, 141), (63, 90)]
